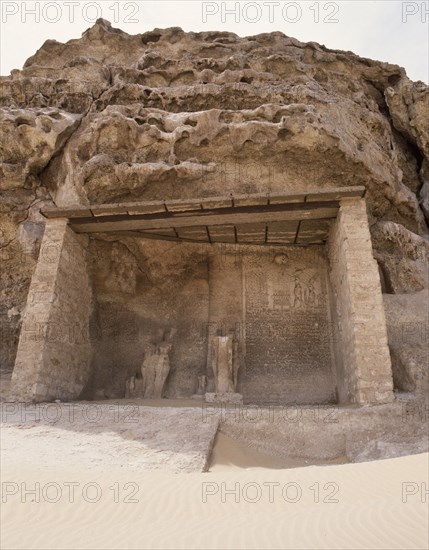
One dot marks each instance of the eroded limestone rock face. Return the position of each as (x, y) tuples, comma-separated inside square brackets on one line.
[(424, 190), (408, 105), (407, 324), (111, 117), (403, 257)]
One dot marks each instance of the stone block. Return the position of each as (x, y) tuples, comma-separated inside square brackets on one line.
[(226, 397)]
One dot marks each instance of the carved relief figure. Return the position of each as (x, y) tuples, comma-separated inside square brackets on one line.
[(311, 298), (298, 297), (294, 289), (122, 271), (134, 387)]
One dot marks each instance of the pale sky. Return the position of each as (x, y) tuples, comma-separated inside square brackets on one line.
[(388, 30)]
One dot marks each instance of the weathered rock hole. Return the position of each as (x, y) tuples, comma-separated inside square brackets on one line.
[(20, 121), (155, 122), (283, 133), (150, 37), (394, 79), (56, 116), (190, 122)]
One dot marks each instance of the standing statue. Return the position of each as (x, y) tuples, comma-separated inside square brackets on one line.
[(148, 370), (154, 372), (155, 369), (134, 387), (201, 387), (162, 369), (225, 365)]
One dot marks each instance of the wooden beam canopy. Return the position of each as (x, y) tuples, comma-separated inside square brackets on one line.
[(244, 219)]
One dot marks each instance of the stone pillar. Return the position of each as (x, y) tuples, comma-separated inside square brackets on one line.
[(54, 352), (364, 371)]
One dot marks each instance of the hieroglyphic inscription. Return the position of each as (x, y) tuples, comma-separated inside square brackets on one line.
[(288, 354)]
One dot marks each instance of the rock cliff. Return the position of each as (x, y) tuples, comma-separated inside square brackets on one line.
[(166, 114)]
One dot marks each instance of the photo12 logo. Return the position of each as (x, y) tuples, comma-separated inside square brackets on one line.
[(412, 491), (71, 12), (270, 491), (69, 491), (415, 10), (270, 12)]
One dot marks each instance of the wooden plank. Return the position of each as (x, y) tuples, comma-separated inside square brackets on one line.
[(66, 213), (219, 220), (208, 203), (221, 202), (146, 235), (197, 233), (282, 232), (222, 234), (148, 208), (108, 210), (168, 232), (155, 236), (233, 216), (251, 233), (248, 200), (152, 207), (281, 241), (281, 198), (336, 193), (50, 214), (311, 231), (174, 206)]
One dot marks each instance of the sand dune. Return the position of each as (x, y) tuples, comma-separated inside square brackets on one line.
[(119, 483), (348, 506)]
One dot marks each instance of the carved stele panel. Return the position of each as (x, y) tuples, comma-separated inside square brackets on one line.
[(288, 348)]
